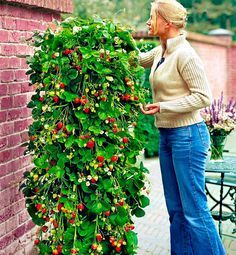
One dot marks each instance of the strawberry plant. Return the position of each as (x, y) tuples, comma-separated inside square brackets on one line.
[(85, 184)]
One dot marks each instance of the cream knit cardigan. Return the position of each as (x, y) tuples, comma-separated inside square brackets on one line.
[(179, 84)]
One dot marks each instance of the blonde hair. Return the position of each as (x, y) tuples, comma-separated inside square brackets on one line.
[(172, 11)]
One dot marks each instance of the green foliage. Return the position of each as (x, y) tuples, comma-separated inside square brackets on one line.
[(211, 14), (85, 185), (146, 122)]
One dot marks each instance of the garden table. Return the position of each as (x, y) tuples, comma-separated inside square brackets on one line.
[(225, 176)]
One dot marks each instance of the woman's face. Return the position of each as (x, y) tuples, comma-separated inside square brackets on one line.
[(157, 25)]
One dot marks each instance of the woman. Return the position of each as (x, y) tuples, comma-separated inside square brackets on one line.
[(180, 89)]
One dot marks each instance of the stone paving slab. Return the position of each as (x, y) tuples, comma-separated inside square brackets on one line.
[(153, 228)]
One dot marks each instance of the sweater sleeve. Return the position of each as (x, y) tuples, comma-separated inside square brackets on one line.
[(200, 94), (146, 58)]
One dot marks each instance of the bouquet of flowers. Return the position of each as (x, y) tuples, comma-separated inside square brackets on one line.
[(220, 118)]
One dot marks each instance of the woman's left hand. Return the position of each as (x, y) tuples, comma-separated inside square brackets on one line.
[(150, 109)]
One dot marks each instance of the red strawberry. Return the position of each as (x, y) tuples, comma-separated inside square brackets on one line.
[(56, 99), (86, 110), (125, 139), (38, 207), (112, 120), (62, 85), (41, 99), (73, 251), (100, 158), (118, 248), (100, 164), (44, 229), (37, 189), (60, 206), (55, 224), (72, 221), (44, 210), (114, 158), (59, 248), (73, 215), (76, 100), (67, 52), (78, 68), (36, 241), (54, 56), (55, 252), (59, 125), (93, 180), (104, 99), (99, 237), (90, 144), (80, 207), (107, 213), (94, 246)]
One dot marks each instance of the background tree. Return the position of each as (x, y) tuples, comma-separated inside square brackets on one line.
[(204, 15)]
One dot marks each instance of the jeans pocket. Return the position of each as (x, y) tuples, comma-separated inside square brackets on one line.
[(204, 134)]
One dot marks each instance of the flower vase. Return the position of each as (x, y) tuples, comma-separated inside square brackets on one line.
[(217, 147)]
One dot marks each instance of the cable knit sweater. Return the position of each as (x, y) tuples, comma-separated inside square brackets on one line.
[(179, 84)]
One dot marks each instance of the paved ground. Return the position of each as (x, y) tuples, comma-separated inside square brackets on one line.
[(153, 228)]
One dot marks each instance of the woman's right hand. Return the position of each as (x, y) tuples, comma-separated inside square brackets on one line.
[(150, 109)]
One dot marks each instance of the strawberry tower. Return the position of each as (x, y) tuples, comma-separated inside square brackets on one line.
[(85, 184)]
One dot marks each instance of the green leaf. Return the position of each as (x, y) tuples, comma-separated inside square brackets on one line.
[(107, 185), (70, 141), (144, 201), (139, 212), (69, 97), (72, 74), (97, 208)]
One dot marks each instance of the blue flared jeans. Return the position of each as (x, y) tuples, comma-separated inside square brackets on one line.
[(183, 152)]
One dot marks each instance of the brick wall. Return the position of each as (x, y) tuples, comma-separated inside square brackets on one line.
[(18, 20), (219, 57)]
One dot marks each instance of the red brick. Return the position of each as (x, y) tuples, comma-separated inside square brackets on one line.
[(4, 35), (21, 24), (20, 75), (11, 224), (6, 103), (20, 125), (9, 23), (6, 181), (14, 88), (25, 87), (8, 50), (14, 114), (2, 229), (6, 240), (13, 140), (14, 62), (6, 76), (6, 213), (6, 128), (23, 216), (6, 155), (3, 89), (15, 194), (25, 112), (23, 50), (4, 63), (23, 63), (3, 143), (4, 199), (18, 152), (19, 100), (3, 117)]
